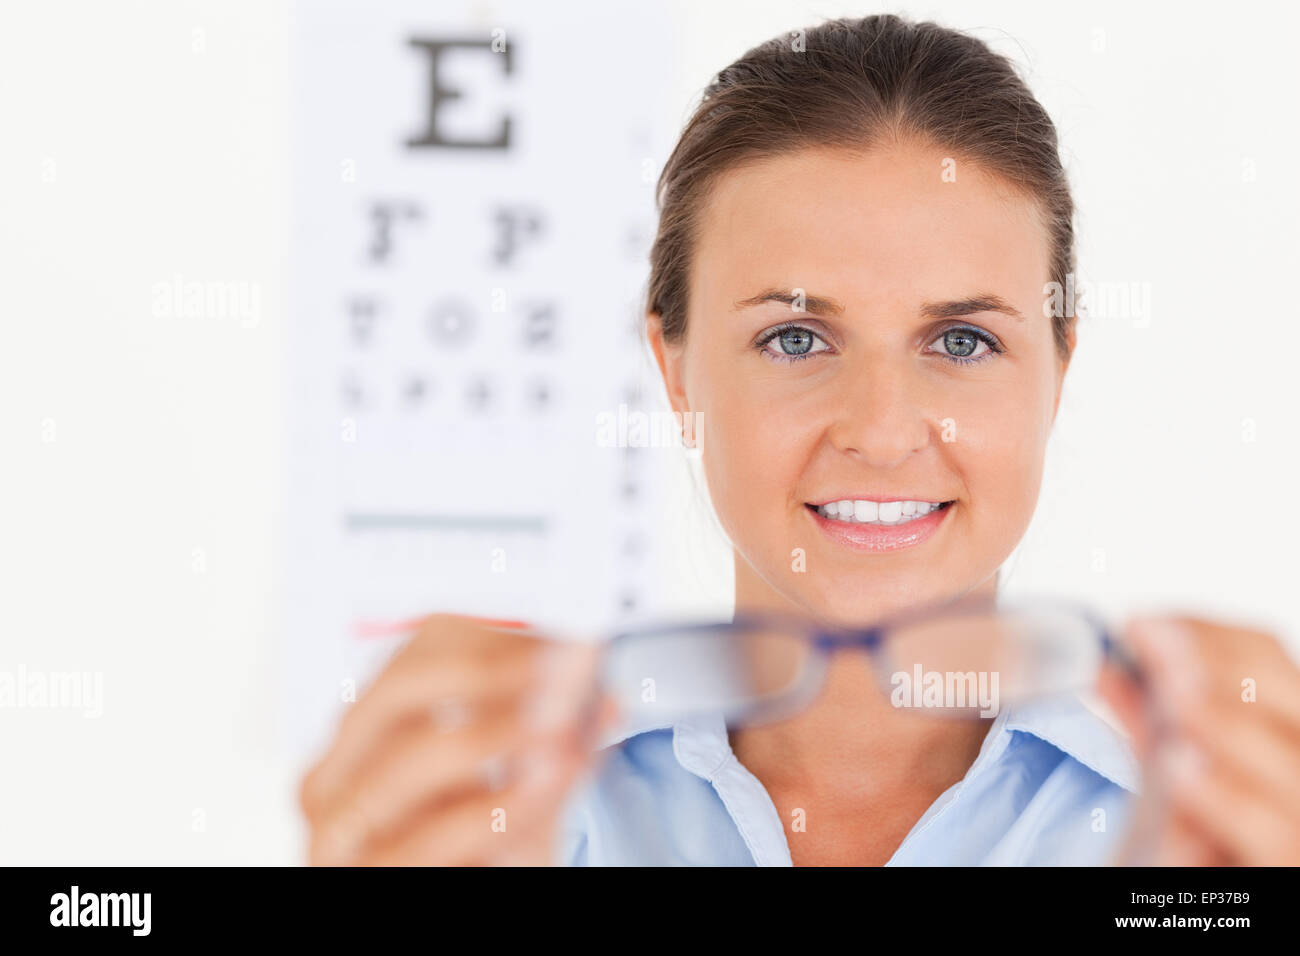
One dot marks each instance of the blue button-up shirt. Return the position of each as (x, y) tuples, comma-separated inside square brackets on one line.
[(1053, 784)]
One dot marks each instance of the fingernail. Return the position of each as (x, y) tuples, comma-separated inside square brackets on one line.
[(340, 841), (536, 769), (1184, 763), (1163, 637), (609, 717), (556, 699), (547, 710), (1178, 677)]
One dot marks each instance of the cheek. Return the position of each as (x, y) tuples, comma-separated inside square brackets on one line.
[(1000, 454), (753, 456)]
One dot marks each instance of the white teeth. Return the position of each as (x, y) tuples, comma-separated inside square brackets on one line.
[(876, 512)]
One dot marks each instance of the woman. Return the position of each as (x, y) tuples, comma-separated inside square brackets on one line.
[(859, 228)]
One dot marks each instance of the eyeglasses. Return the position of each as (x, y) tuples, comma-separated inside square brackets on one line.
[(965, 658)]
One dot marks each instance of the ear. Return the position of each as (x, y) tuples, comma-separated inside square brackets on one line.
[(671, 359)]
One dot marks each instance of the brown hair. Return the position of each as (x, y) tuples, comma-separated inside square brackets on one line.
[(850, 83)]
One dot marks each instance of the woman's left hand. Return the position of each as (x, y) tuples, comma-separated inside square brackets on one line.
[(1219, 740)]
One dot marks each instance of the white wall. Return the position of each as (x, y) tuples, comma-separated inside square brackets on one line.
[(145, 141), (167, 161)]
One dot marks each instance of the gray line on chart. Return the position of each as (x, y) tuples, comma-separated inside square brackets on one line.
[(434, 522)]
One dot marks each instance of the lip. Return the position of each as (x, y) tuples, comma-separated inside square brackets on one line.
[(876, 538)]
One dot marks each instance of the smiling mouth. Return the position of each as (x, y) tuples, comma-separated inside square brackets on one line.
[(880, 513)]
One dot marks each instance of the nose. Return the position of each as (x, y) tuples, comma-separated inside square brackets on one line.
[(878, 416)]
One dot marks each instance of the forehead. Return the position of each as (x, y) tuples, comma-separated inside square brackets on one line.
[(878, 228)]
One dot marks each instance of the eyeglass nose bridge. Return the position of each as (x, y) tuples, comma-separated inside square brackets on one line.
[(827, 641)]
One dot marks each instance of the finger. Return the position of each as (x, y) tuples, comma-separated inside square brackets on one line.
[(544, 848), (1171, 664), (484, 825), (1254, 830), (456, 635), (418, 766), (1126, 702), (405, 692), (1248, 665), (567, 689), (537, 848), (1184, 844), (1142, 841), (1192, 657), (1160, 833), (1253, 751), (608, 716)]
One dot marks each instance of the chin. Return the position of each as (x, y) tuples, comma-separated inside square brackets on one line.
[(858, 603)]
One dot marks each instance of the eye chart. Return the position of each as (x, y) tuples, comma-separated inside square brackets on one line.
[(473, 208)]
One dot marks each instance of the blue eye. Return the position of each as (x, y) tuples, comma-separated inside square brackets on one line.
[(794, 343), (964, 345)]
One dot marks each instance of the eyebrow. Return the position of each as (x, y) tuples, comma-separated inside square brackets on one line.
[(822, 305), (815, 304), (984, 302)]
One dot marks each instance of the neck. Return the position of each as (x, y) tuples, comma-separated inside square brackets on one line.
[(851, 745), (851, 742)]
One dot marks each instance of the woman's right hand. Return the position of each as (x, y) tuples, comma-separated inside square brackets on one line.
[(461, 752)]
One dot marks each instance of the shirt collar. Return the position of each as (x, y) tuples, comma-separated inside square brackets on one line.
[(1071, 725), (623, 731), (700, 743), (1068, 723), (702, 747), (1081, 730)]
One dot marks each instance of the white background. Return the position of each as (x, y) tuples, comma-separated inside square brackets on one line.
[(129, 157)]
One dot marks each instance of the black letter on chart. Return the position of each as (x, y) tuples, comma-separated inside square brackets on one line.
[(438, 94)]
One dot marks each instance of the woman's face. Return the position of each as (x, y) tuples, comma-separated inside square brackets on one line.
[(921, 368)]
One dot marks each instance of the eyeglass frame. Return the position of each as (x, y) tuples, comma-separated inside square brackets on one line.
[(825, 640)]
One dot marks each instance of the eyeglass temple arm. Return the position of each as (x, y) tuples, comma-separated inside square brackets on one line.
[(1123, 658)]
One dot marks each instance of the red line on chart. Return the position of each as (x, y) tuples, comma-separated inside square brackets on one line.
[(369, 630)]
